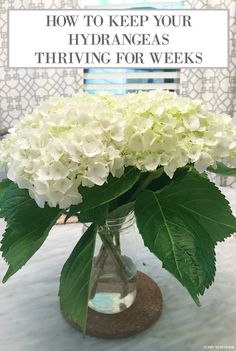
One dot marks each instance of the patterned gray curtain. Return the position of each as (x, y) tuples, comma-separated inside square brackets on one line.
[(215, 86), (22, 89)]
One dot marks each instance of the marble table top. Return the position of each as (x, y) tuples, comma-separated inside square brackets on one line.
[(30, 319)]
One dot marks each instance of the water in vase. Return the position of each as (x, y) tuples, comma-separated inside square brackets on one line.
[(114, 291)]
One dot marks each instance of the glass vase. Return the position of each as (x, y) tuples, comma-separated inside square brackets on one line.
[(114, 273)]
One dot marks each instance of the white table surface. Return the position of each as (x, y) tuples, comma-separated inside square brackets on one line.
[(30, 319)]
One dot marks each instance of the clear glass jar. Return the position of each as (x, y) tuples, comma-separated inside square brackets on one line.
[(114, 273)]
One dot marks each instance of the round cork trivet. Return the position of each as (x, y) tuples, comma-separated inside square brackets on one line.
[(144, 312), (70, 220)]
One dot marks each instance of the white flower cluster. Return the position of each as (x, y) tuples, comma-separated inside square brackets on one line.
[(168, 130), (80, 140)]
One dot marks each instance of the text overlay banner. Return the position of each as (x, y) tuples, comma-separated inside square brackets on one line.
[(118, 39)]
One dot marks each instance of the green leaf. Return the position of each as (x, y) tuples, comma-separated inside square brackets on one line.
[(220, 168), (4, 184), (75, 278), (121, 211), (99, 195), (96, 215), (163, 180), (181, 225), (27, 227)]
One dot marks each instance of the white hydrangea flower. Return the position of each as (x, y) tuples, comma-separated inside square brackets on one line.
[(69, 142), (183, 131)]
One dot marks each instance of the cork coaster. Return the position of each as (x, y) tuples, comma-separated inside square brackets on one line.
[(72, 219), (144, 312)]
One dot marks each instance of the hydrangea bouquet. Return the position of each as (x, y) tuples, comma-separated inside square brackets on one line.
[(98, 156)]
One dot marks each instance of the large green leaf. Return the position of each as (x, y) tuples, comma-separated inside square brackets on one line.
[(220, 168), (27, 227), (121, 211), (181, 225), (4, 184), (75, 277), (99, 195), (96, 215)]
